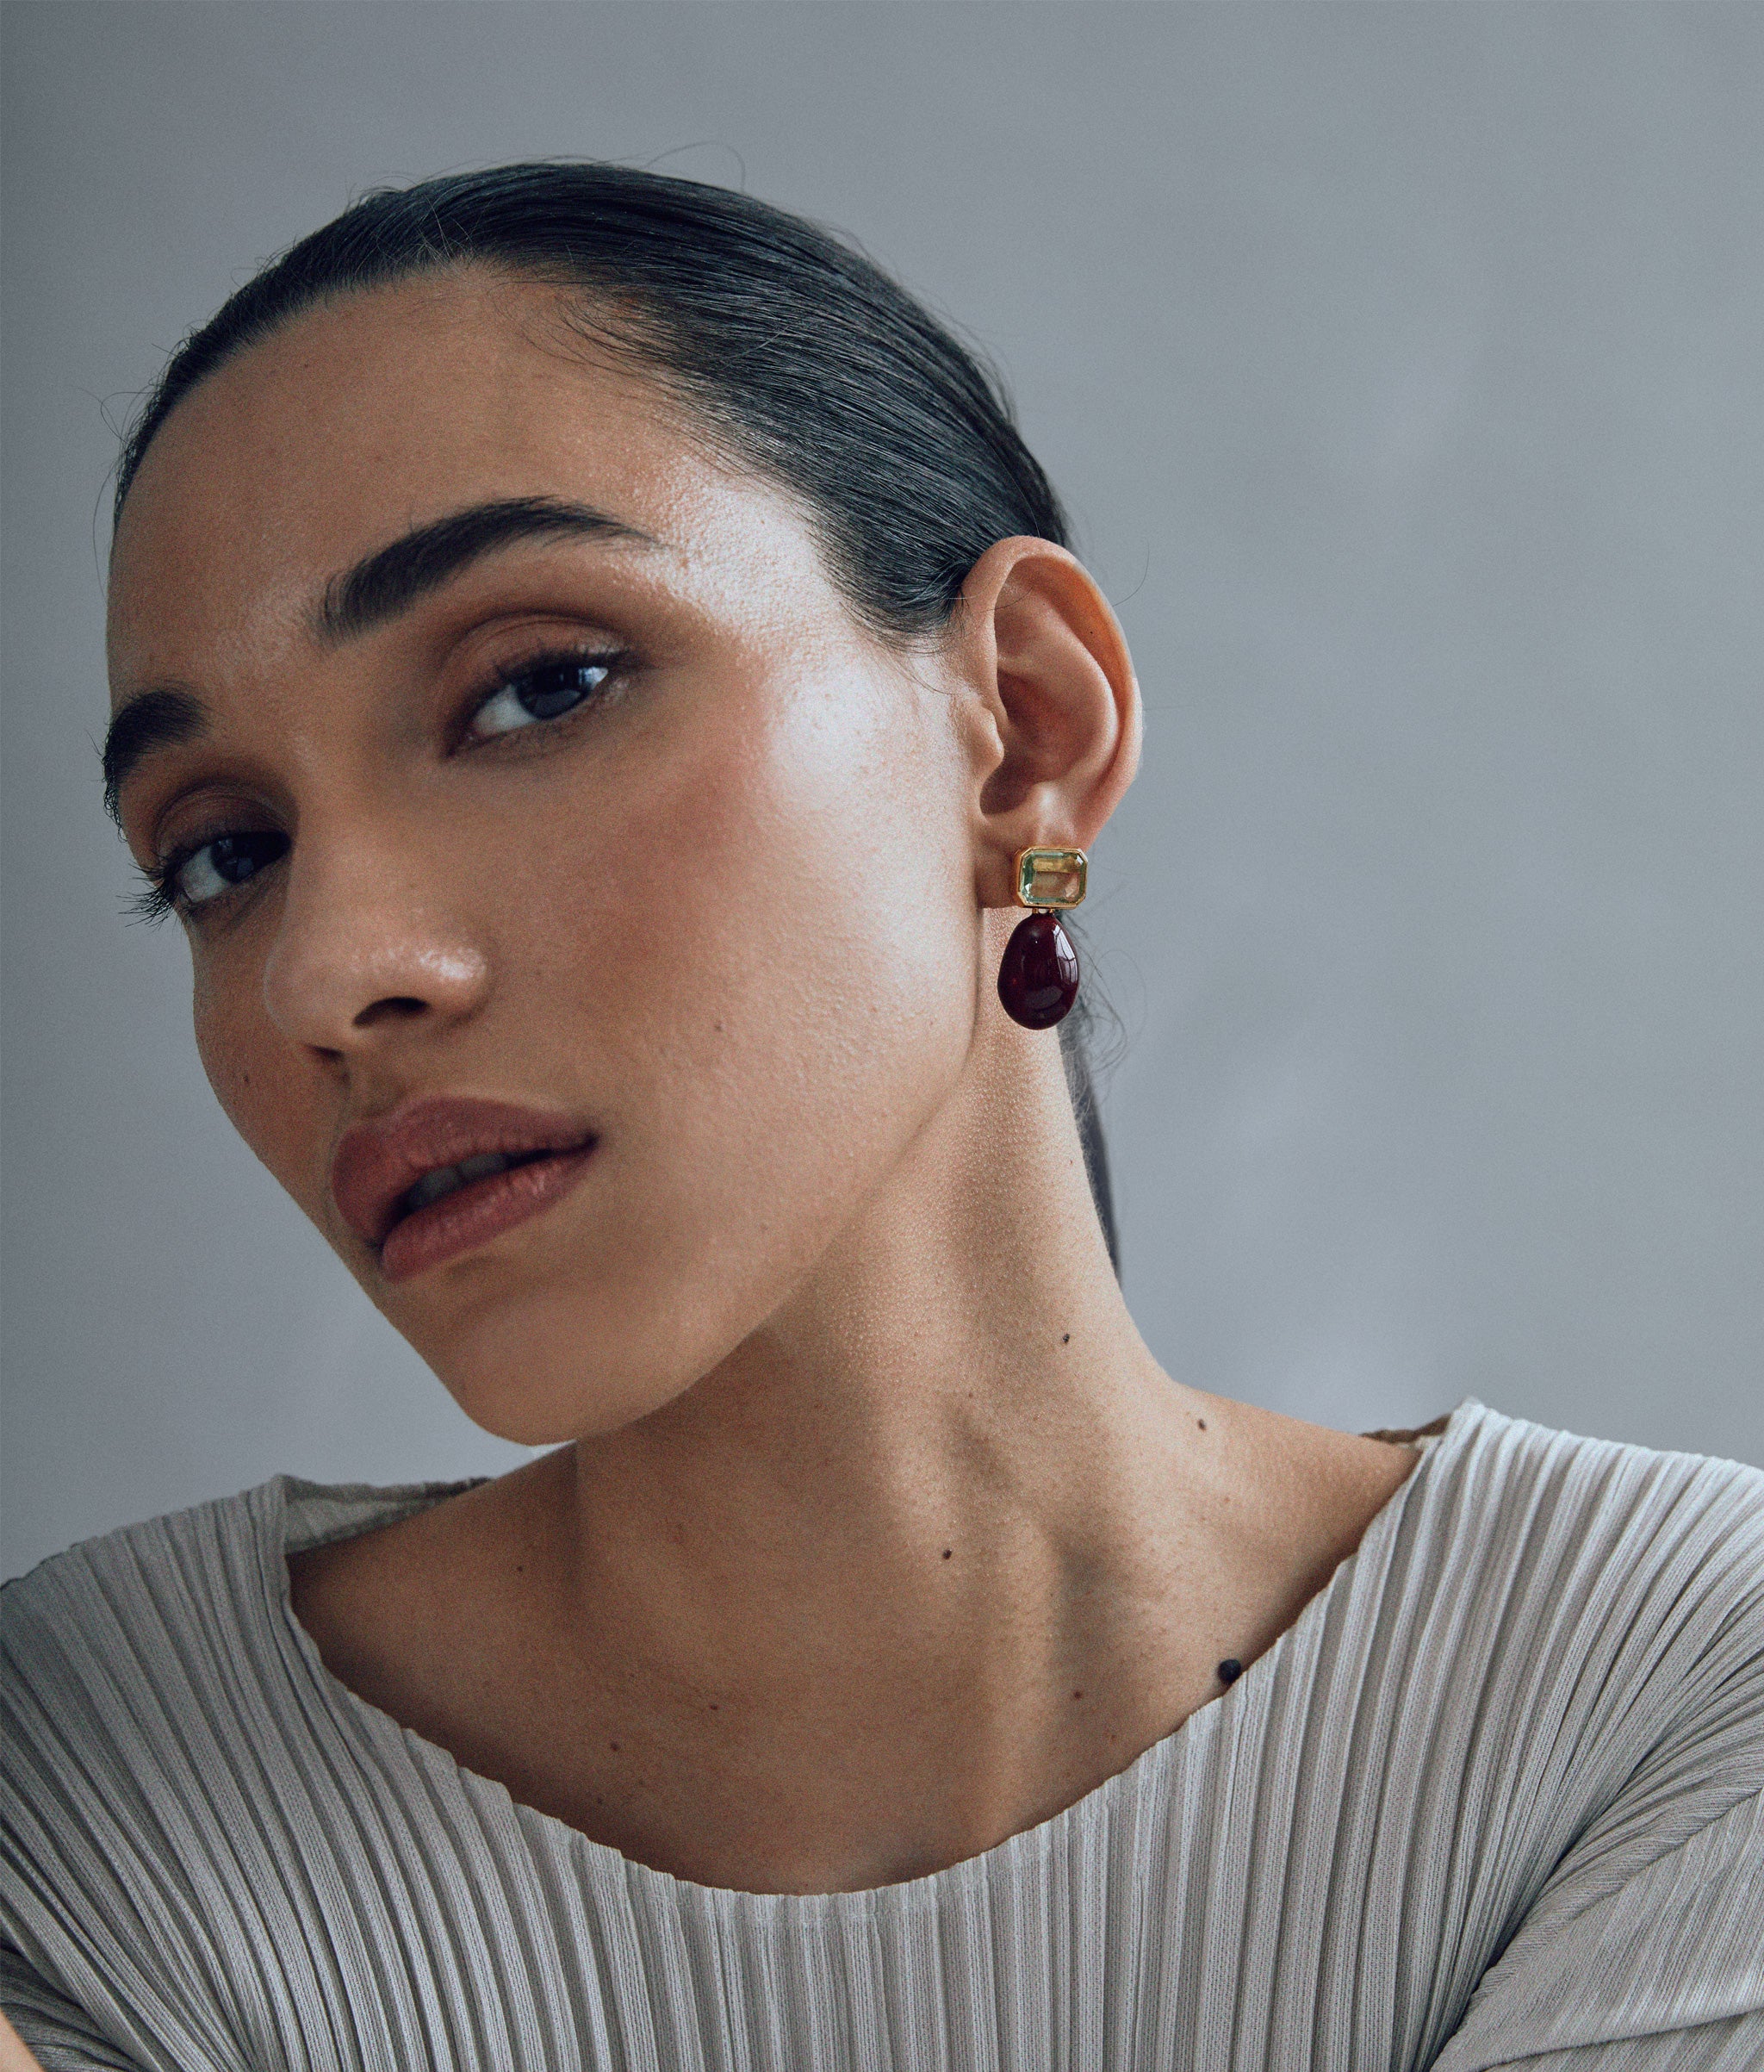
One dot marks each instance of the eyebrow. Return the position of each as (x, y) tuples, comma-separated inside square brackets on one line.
[(378, 587), (154, 721), (392, 580)]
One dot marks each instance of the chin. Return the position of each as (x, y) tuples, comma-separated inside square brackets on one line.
[(551, 1366)]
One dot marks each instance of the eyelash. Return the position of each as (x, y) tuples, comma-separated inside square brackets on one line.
[(158, 897)]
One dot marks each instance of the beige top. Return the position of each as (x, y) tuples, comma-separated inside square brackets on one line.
[(1494, 1799)]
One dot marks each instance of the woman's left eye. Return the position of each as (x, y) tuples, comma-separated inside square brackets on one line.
[(542, 690)]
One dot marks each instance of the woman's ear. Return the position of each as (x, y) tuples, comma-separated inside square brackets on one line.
[(1055, 717)]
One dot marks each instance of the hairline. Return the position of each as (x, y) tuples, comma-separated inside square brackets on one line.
[(623, 349)]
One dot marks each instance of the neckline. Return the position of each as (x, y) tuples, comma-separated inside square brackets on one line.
[(368, 1721)]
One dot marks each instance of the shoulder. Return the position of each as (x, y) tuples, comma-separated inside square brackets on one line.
[(126, 1597), (1518, 1565), (1623, 1584), (1541, 1673), (132, 1662), (1604, 1604), (128, 1592), (123, 1662), (142, 1597), (1583, 1621), (121, 1667), (1596, 1533), (163, 1729)]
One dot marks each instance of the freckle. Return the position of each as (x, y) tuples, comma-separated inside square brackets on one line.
[(714, 1705), (1077, 1694), (613, 1745)]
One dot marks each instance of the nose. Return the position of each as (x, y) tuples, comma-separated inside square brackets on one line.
[(367, 948)]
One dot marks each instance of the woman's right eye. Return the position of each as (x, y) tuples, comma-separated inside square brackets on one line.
[(223, 863)]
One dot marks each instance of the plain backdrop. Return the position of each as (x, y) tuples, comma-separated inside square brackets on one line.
[(1404, 368)]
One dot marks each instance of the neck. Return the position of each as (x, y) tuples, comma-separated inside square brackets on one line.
[(950, 1429), (924, 1560)]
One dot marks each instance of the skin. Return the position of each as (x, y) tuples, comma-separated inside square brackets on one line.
[(14, 2057), (871, 1533)]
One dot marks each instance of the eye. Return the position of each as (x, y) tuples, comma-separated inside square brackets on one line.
[(544, 689), (222, 863)]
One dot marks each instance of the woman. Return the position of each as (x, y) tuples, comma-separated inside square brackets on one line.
[(593, 667)]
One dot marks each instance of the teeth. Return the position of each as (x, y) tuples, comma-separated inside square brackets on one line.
[(447, 1179), (486, 1163)]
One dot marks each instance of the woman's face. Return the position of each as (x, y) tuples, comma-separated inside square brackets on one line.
[(627, 833)]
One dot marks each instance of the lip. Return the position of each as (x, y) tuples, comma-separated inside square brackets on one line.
[(377, 1162)]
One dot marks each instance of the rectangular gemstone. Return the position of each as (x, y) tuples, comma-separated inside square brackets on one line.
[(1051, 877)]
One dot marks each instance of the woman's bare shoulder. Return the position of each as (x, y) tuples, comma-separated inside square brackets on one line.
[(380, 1595), (1311, 1484)]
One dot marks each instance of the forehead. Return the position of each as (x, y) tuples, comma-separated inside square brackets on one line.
[(367, 416)]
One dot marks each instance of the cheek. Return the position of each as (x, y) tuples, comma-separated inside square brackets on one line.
[(224, 1046), (772, 963), (808, 894), (764, 985), (246, 1061)]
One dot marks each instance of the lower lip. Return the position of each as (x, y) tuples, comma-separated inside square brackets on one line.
[(472, 1214)]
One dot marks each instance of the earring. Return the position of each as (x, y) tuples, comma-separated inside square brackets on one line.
[(1038, 982)]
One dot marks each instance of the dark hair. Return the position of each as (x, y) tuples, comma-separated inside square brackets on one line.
[(798, 355)]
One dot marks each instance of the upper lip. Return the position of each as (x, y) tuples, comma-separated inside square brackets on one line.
[(377, 1162)]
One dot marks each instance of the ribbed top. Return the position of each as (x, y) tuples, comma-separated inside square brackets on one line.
[(1498, 1792)]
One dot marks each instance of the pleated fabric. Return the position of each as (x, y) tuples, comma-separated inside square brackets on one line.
[(1496, 1797)]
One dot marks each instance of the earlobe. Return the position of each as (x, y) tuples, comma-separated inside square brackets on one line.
[(1048, 659)]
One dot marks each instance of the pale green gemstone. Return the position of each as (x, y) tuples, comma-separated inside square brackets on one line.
[(1051, 877)]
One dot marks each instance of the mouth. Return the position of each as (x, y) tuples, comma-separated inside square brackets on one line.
[(440, 1181), (440, 1176)]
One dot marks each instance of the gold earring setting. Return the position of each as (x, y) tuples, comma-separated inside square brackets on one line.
[(1038, 979)]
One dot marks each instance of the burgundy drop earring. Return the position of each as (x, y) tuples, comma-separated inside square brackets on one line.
[(1038, 982)]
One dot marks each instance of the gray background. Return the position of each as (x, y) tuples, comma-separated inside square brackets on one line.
[(1402, 368)]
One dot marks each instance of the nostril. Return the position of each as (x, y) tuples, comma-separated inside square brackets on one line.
[(396, 1007)]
